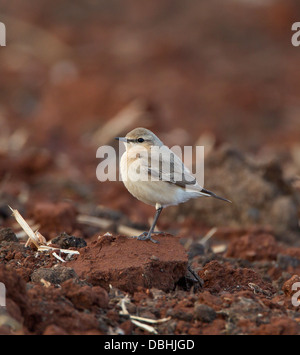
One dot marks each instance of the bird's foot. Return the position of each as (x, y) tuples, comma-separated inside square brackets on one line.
[(147, 236)]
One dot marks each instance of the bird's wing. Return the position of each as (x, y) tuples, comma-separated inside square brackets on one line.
[(165, 165)]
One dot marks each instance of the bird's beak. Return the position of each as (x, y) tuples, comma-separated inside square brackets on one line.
[(122, 139)]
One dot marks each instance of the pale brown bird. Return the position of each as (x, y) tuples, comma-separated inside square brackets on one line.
[(155, 175)]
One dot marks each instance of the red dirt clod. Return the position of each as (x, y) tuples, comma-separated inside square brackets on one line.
[(224, 278), (279, 326), (85, 297), (261, 246), (16, 301), (55, 275), (126, 263), (287, 286)]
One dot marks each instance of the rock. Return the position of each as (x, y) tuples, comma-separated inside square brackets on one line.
[(55, 275), (66, 241), (8, 235), (204, 313), (286, 261), (196, 249), (180, 315)]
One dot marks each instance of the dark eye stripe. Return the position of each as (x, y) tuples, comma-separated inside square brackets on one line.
[(138, 140)]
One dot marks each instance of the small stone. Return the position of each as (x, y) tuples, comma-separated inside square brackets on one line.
[(7, 235), (55, 276), (286, 261), (66, 241), (154, 258), (204, 313), (196, 249), (180, 314)]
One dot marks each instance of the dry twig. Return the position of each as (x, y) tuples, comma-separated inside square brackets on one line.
[(33, 237), (138, 320), (38, 239), (209, 234), (95, 221)]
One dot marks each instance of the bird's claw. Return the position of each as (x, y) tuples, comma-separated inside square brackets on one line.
[(147, 236)]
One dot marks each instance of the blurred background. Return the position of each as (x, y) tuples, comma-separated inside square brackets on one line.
[(222, 74)]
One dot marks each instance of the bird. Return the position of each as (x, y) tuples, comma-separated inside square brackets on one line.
[(155, 175)]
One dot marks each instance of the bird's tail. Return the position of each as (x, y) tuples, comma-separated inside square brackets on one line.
[(212, 194)]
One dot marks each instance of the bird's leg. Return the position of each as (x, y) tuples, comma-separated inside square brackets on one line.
[(147, 236)]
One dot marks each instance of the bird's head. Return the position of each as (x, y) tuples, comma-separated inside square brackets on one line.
[(140, 137)]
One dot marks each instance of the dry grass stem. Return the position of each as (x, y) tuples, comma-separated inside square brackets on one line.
[(95, 221), (38, 239), (138, 320), (65, 251), (24, 225), (128, 231), (209, 234), (58, 257)]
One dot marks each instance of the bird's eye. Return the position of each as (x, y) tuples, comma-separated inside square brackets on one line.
[(141, 140)]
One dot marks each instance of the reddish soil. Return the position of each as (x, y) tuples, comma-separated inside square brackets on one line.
[(219, 74), (234, 293)]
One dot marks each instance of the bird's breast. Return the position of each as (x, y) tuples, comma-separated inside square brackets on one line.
[(151, 192)]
